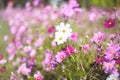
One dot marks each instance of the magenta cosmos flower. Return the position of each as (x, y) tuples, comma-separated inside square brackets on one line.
[(109, 23), (98, 37), (68, 50), (60, 56), (38, 76), (51, 29)]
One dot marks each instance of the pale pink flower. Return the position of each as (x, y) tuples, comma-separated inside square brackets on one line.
[(23, 69), (38, 76), (38, 42)]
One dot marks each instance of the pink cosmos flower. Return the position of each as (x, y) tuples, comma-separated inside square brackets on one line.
[(31, 61), (33, 53), (3, 61), (109, 23), (38, 42), (65, 10), (98, 37), (54, 44), (69, 50), (27, 49), (36, 2), (85, 47), (74, 37), (23, 69), (112, 52), (5, 38), (47, 65), (49, 56), (38, 76), (109, 67), (70, 9), (60, 56)]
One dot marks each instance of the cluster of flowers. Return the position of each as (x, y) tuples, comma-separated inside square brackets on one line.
[(35, 33)]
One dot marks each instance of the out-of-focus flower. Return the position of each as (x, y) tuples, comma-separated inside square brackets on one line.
[(38, 76), (2, 70), (113, 77), (1, 56), (5, 38), (27, 49), (70, 10), (36, 2), (109, 23), (53, 44), (23, 69), (47, 65), (33, 53), (92, 16), (74, 37), (38, 42), (49, 56), (3, 61), (10, 3), (31, 61), (98, 37), (60, 56), (85, 47), (51, 29)]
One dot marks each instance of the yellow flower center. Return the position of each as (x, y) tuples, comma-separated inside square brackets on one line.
[(109, 66), (113, 79), (112, 52), (61, 57), (38, 78), (60, 38), (110, 23), (50, 57), (99, 37), (63, 30)]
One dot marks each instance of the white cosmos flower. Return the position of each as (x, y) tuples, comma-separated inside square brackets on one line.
[(64, 29), (113, 77), (60, 38)]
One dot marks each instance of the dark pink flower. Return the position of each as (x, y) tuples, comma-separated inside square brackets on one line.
[(109, 23), (51, 29), (68, 50), (2, 70), (1, 56)]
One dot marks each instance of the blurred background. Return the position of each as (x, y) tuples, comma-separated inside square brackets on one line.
[(83, 3)]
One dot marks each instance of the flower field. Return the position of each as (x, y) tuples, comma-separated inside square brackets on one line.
[(60, 42)]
